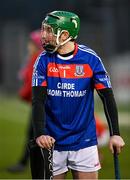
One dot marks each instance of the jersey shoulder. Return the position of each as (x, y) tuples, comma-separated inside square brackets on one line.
[(88, 51), (40, 59)]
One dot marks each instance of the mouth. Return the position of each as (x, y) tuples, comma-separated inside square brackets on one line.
[(44, 42), (48, 46)]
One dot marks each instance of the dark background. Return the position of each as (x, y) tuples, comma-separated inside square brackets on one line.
[(105, 27)]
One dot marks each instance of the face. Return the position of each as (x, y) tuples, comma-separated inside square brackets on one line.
[(47, 36)]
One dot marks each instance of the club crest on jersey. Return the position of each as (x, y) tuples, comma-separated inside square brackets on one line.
[(79, 70)]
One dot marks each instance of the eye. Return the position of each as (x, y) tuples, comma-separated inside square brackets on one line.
[(49, 29), (46, 28)]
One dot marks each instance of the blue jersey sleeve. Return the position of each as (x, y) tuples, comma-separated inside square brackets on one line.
[(39, 72), (101, 77)]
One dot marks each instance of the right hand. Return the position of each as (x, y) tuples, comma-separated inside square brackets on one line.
[(117, 142), (45, 141)]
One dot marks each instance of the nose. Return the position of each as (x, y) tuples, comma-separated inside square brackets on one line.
[(43, 34)]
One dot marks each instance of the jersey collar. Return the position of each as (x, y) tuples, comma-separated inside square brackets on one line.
[(70, 56)]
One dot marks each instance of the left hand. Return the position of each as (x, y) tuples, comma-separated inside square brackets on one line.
[(117, 142), (45, 141)]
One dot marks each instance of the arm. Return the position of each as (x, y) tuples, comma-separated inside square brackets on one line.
[(111, 113), (38, 114), (103, 86), (38, 110), (41, 152)]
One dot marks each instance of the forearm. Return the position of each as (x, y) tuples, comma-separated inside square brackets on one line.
[(38, 110), (110, 109)]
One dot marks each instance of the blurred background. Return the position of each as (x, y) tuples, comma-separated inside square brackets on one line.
[(105, 27)]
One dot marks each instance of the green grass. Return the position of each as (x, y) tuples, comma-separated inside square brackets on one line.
[(13, 123)]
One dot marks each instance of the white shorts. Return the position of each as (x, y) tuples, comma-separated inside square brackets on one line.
[(84, 160)]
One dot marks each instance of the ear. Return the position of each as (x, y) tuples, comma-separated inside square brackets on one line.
[(64, 35)]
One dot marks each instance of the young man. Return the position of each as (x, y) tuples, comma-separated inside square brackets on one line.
[(64, 78)]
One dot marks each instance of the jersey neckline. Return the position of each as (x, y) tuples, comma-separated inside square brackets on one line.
[(70, 56)]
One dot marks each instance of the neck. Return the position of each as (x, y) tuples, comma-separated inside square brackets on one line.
[(66, 48)]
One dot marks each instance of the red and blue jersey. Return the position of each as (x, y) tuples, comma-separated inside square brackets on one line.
[(70, 83)]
